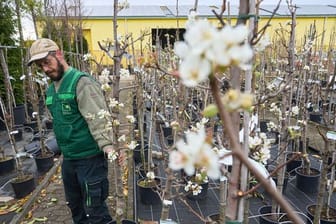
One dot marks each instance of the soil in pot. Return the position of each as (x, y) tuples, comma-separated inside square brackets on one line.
[(23, 185), (326, 216), (267, 218), (148, 191), (307, 182), (44, 162), (7, 165)]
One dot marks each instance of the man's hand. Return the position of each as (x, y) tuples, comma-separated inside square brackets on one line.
[(122, 157)]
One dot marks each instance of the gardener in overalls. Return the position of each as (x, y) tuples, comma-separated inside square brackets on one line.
[(72, 95)]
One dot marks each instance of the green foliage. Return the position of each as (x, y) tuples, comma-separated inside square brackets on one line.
[(7, 23), (13, 54)]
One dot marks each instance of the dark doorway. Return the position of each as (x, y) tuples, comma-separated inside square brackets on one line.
[(161, 35)]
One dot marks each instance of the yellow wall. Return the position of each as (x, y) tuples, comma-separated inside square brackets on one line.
[(302, 27), (102, 29)]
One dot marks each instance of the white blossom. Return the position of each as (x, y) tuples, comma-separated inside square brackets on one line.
[(123, 5), (132, 145), (105, 72), (191, 18), (131, 119), (124, 72), (90, 116), (193, 187), (295, 110), (111, 156), (106, 87), (194, 70), (103, 114), (122, 138), (205, 47), (306, 67), (197, 152), (115, 123), (150, 175), (87, 57), (113, 103), (262, 43)]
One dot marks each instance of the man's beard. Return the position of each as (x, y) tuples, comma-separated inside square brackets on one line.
[(60, 71)]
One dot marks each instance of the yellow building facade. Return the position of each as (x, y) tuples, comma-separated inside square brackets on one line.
[(99, 28)]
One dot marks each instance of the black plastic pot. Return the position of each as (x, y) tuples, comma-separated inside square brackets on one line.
[(19, 115), (18, 135), (167, 131), (307, 183), (170, 140), (44, 163), (332, 215), (22, 186), (315, 117), (148, 195), (7, 165), (275, 178), (48, 124), (33, 148), (31, 126), (124, 221), (2, 124), (266, 218), (215, 218), (137, 154), (52, 146), (293, 164), (263, 125)]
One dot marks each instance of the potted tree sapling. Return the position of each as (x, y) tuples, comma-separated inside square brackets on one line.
[(321, 211), (23, 183), (44, 158), (307, 177)]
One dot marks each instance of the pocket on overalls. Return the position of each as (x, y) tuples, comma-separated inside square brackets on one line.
[(96, 192)]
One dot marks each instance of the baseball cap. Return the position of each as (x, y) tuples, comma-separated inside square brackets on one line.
[(40, 49)]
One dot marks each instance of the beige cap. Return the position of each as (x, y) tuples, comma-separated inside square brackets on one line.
[(40, 49)]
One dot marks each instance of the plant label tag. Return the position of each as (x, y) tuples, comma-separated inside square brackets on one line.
[(331, 135)]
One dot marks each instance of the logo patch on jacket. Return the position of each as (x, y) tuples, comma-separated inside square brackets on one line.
[(66, 108)]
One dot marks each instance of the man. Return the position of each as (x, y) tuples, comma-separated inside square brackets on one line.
[(71, 96)]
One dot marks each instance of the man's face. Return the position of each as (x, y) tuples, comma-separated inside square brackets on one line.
[(51, 66)]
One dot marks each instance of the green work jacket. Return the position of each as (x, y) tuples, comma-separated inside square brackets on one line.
[(71, 130)]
